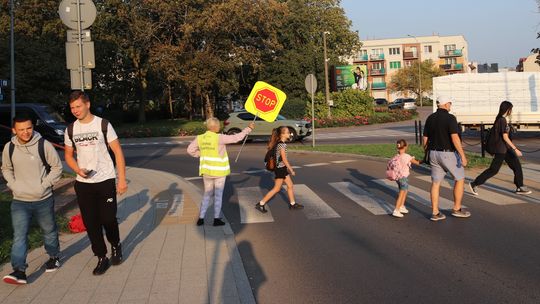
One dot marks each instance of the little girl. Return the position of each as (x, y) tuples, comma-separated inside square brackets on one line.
[(403, 181), (283, 168)]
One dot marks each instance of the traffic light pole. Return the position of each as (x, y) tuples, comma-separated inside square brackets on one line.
[(12, 46)]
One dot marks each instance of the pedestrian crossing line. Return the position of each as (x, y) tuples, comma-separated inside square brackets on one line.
[(247, 198), (363, 198), (200, 177), (315, 207), (488, 196), (316, 165), (419, 195), (343, 161), (254, 171)]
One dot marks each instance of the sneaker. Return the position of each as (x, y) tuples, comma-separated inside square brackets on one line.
[(200, 222), (261, 208), (218, 222), (473, 188), (296, 206), (403, 210), (52, 264), (460, 213), (437, 217), (102, 266), (396, 213), (116, 255), (17, 277), (523, 190)]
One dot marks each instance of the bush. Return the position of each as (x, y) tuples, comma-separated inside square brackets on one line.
[(347, 104), (426, 101), (379, 116), (295, 108)]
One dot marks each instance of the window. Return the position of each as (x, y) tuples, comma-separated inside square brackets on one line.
[(363, 52), (395, 64), (248, 116), (450, 47), (408, 63), (450, 60), (376, 66), (427, 49), (377, 51), (393, 51)]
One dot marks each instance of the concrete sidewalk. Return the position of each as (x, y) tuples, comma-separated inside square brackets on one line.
[(167, 258)]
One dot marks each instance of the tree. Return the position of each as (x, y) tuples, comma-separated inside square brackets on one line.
[(406, 79)]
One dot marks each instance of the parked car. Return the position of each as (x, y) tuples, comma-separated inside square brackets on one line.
[(380, 101), (237, 121), (46, 121), (403, 103)]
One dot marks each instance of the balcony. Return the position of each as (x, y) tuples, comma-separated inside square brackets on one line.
[(378, 86), (376, 57), (362, 58), (450, 53), (375, 72), (452, 67), (410, 55)]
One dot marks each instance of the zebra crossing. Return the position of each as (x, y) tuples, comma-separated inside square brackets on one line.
[(316, 208)]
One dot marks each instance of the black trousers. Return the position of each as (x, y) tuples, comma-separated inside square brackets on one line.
[(97, 203), (511, 160)]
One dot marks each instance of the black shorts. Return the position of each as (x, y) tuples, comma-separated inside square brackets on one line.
[(281, 172)]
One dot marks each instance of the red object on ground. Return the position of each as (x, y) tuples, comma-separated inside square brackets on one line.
[(76, 224)]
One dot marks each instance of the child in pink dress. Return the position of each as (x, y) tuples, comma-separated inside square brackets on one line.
[(403, 181)]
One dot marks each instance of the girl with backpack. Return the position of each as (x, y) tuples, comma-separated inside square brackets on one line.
[(503, 149), (282, 170), (398, 170)]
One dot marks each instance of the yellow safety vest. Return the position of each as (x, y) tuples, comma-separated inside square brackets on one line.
[(211, 163)]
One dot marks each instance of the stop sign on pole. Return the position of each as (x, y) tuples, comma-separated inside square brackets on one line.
[(265, 101)]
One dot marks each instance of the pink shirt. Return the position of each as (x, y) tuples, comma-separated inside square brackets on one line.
[(193, 148), (406, 164)]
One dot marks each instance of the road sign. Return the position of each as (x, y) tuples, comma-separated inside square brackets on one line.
[(311, 84), (73, 36), (76, 79), (72, 55), (68, 13), (265, 101)]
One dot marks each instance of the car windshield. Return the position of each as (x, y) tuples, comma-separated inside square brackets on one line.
[(51, 116), (280, 117)]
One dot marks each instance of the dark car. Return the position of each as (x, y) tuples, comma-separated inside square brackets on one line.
[(47, 122), (380, 101), (403, 103)]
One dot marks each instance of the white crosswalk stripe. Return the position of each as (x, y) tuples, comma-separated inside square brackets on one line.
[(314, 206), (363, 198), (247, 198), (419, 195), (490, 196)]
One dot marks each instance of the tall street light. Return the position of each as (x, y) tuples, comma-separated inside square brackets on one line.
[(419, 70), (326, 85), (12, 46)]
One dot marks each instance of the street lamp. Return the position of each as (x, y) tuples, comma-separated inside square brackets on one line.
[(12, 46), (326, 85), (419, 71)]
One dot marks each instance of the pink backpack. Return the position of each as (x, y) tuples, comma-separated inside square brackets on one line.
[(394, 168)]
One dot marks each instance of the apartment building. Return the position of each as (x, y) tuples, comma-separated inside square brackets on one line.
[(384, 57)]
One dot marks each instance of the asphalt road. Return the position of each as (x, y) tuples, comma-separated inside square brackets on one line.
[(360, 257)]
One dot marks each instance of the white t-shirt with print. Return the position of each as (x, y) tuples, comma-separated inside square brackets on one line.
[(91, 150)]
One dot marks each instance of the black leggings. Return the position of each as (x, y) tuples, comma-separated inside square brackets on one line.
[(511, 160), (97, 202)]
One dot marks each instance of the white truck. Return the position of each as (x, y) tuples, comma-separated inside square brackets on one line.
[(476, 97)]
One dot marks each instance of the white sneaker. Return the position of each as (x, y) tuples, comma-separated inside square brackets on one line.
[(396, 213), (403, 210)]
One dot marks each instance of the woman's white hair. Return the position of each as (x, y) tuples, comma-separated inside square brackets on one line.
[(211, 122)]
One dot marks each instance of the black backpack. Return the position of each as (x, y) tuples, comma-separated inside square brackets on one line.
[(104, 127), (41, 151), (270, 159)]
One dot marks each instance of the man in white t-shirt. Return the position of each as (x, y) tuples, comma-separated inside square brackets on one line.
[(95, 183)]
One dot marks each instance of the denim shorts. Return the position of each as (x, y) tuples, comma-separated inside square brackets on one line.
[(403, 183)]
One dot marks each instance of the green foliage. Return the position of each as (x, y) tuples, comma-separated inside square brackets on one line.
[(170, 127), (347, 104), (406, 79), (295, 108)]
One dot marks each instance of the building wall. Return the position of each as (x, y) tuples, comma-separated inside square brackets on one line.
[(427, 48)]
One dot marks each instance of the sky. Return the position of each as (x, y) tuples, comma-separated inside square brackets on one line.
[(497, 31)]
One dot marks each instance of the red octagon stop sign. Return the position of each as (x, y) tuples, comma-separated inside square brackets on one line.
[(265, 100)]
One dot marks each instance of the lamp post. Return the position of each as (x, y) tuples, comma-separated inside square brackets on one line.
[(12, 47), (419, 71), (326, 85)]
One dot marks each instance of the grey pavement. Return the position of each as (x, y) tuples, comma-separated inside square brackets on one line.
[(167, 258)]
